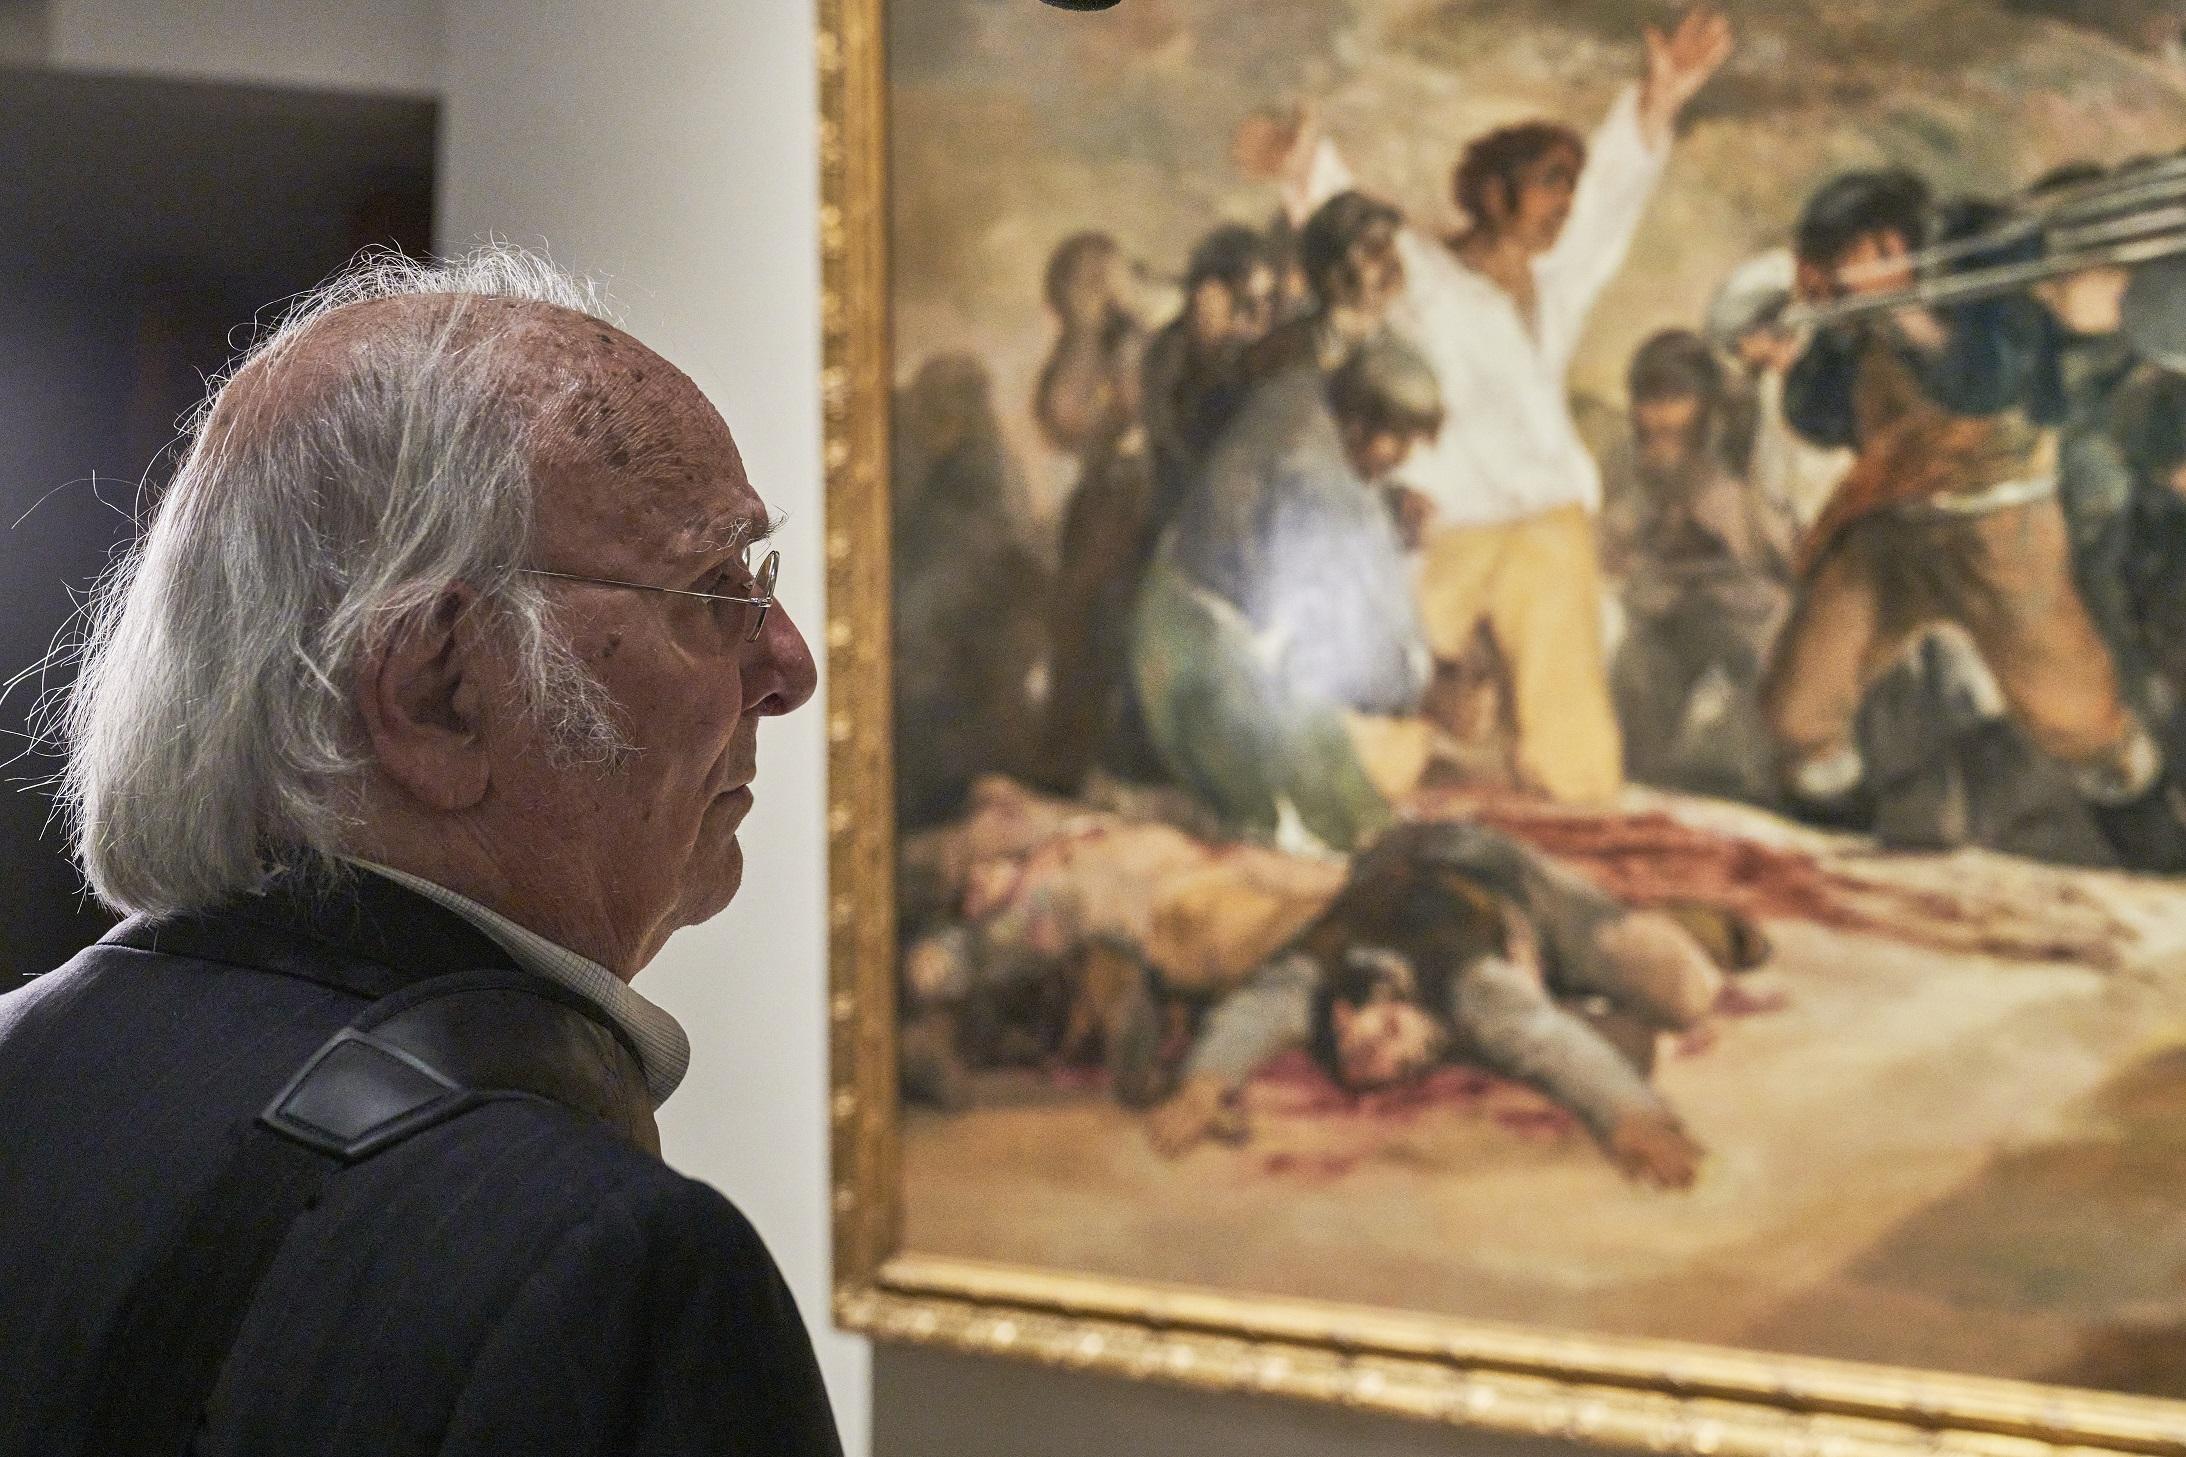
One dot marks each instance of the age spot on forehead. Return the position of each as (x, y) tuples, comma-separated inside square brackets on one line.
[(638, 455)]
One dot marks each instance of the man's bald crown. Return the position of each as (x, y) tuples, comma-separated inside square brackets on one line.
[(587, 398)]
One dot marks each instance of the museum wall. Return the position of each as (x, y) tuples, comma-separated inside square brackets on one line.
[(667, 150), (362, 45)]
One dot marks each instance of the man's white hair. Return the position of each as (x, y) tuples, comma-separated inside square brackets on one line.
[(211, 735)]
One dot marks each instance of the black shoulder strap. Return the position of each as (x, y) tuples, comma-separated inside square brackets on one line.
[(409, 1061)]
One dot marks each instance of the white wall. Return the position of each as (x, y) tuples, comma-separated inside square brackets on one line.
[(23, 39), (341, 45), (669, 148)]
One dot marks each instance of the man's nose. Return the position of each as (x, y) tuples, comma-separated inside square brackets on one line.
[(781, 675)]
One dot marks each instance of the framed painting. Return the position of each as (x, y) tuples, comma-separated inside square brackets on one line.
[(1505, 696)]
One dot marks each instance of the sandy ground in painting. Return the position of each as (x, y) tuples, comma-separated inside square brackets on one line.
[(1922, 1155)]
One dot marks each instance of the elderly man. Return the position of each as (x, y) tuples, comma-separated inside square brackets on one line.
[(424, 714)]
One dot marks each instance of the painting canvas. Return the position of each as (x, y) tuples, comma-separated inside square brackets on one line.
[(1507, 695)]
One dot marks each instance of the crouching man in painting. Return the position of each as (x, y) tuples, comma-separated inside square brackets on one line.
[(425, 713), (1703, 557), (1276, 648)]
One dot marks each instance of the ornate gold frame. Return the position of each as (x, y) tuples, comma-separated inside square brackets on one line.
[(1618, 1392)]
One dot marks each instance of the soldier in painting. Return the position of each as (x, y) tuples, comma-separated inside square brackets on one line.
[(2146, 540), (2095, 358), (1950, 514), (1745, 322)]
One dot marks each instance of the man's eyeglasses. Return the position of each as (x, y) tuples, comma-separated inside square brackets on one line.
[(762, 587)]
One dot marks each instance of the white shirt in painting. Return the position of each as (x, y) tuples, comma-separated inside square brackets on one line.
[(1787, 468), (1509, 448)]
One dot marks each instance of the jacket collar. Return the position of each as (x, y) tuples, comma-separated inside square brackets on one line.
[(357, 933)]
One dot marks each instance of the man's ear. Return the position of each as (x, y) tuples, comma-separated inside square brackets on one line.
[(420, 696)]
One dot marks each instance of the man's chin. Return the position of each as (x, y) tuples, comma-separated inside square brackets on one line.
[(731, 878), (711, 887)]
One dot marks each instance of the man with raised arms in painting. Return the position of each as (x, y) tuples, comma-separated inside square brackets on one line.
[(1498, 311)]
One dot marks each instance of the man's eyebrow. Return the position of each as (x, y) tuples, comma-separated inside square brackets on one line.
[(714, 538)]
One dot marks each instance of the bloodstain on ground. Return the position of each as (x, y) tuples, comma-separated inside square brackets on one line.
[(1347, 1128), (1647, 857)]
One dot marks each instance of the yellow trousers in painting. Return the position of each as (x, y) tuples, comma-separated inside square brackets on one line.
[(1536, 584)]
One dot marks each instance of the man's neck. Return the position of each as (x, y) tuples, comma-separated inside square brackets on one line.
[(1503, 260), (530, 895)]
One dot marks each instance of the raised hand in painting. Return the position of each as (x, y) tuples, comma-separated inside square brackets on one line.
[(1679, 63), (1277, 144), (1263, 140)]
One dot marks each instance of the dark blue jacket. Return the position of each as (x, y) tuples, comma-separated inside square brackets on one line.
[(2001, 354), (517, 1279)]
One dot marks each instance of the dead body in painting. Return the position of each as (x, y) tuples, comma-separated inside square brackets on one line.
[(1192, 966)]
